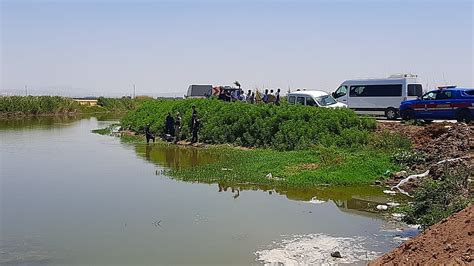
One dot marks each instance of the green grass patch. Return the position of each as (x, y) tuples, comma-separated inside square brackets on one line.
[(290, 168), (102, 131)]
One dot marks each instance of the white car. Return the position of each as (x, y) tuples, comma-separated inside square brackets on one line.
[(314, 98)]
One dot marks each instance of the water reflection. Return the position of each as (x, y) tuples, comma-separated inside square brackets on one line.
[(52, 121), (359, 199), (175, 157)]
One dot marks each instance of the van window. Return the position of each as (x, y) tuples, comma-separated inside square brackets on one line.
[(390, 90), (292, 99), (310, 101), (341, 91), (300, 100), (415, 90)]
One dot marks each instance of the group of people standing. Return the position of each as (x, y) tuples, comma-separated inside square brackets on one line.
[(272, 98), (173, 126), (250, 97)]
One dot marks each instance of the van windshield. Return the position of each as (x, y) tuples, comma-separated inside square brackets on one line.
[(325, 100)]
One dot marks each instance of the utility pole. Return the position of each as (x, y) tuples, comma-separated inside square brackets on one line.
[(26, 90), (133, 91)]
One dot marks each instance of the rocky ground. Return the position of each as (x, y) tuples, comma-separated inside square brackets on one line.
[(440, 147), (449, 242)]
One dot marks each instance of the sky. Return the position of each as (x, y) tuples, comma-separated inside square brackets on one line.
[(103, 47)]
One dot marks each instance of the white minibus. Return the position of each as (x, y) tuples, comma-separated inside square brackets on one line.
[(379, 96)]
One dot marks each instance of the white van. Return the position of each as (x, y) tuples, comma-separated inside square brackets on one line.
[(199, 91), (313, 98), (379, 96)]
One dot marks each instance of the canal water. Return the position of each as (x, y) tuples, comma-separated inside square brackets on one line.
[(71, 197)]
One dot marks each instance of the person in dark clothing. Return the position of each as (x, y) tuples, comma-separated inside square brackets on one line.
[(277, 97), (148, 134), (222, 94), (228, 96), (195, 112), (195, 125), (169, 124), (265, 97)]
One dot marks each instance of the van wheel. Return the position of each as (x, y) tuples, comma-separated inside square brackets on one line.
[(391, 113), (408, 114), (464, 116)]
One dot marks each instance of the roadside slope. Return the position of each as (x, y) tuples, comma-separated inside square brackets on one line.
[(449, 242)]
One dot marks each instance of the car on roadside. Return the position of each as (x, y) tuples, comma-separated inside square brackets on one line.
[(314, 98), (442, 104)]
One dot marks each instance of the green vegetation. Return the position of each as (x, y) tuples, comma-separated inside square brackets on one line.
[(121, 104), (300, 146), (286, 127), (102, 131), (39, 105), (435, 200), (290, 168)]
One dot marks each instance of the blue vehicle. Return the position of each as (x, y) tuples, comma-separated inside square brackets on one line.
[(448, 103)]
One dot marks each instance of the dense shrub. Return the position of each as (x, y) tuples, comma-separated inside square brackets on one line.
[(387, 140), (285, 127), (408, 158), (435, 200), (37, 104)]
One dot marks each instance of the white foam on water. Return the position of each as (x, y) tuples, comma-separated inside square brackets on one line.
[(315, 200), (315, 249)]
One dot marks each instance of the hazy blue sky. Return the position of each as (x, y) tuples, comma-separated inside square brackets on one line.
[(103, 47)]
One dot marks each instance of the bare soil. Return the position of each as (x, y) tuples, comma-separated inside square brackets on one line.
[(445, 146), (449, 242)]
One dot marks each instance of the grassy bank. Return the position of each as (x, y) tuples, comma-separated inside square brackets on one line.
[(299, 146), (290, 168), (56, 105)]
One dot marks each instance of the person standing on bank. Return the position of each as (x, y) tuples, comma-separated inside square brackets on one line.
[(169, 124), (196, 124), (277, 97), (271, 97), (265, 96), (148, 135), (177, 127), (195, 112)]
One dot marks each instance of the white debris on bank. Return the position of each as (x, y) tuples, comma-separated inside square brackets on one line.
[(316, 249), (390, 192), (405, 180)]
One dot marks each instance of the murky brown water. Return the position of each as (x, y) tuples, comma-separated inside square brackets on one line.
[(72, 197)]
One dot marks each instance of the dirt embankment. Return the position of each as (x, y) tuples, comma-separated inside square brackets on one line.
[(441, 147), (449, 242)]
